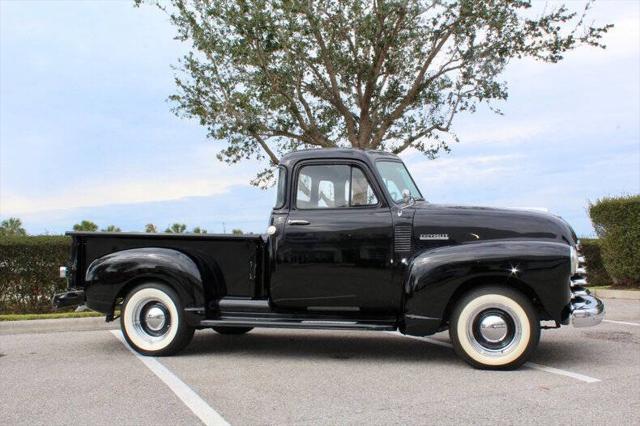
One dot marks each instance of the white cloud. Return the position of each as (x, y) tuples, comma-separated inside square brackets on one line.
[(452, 171), (126, 190), (500, 130)]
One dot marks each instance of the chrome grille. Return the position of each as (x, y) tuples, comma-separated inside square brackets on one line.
[(579, 279)]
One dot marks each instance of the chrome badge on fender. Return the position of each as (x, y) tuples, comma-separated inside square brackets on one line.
[(424, 237)]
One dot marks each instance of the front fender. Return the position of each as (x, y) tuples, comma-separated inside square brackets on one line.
[(108, 275), (437, 275)]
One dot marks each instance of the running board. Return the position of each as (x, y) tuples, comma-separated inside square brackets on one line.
[(317, 324)]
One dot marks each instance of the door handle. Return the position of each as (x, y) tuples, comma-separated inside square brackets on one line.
[(297, 222)]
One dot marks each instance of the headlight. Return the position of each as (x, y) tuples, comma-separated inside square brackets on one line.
[(574, 259)]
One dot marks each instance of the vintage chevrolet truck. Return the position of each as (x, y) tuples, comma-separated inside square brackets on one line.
[(351, 244)]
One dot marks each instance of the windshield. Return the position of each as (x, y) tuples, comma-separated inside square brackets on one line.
[(396, 178)]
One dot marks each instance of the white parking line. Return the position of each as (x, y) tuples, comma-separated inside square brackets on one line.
[(622, 322), (531, 365), (192, 400), (571, 374)]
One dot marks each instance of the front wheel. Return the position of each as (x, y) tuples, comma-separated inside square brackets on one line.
[(494, 328), (153, 322)]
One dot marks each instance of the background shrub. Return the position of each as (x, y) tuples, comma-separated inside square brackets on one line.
[(617, 223), (29, 272), (597, 274)]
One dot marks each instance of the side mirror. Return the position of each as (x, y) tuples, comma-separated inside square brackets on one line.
[(407, 198)]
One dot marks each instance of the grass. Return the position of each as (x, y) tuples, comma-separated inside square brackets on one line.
[(56, 315)]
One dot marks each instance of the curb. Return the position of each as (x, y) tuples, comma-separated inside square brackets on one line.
[(607, 293)]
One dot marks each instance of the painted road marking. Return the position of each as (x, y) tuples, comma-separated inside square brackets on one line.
[(192, 400), (571, 374), (622, 322), (531, 365)]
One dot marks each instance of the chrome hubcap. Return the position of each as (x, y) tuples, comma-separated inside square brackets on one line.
[(155, 318), (151, 319), (493, 328)]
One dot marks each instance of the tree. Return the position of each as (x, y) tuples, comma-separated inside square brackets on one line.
[(85, 225), (198, 230), (12, 227), (237, 232), (150, 228), (268, 77), (111, 228), (176, 228)]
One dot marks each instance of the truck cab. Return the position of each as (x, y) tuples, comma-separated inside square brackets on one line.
[(351, 243)]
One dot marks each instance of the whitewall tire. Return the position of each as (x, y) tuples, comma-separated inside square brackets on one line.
[(494, 328), (152, 320)]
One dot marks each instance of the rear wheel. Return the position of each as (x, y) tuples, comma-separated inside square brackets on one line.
[(494, 328), (232, 330), (153, 322)]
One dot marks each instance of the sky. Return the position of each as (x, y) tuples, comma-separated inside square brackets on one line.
[(86, 131)]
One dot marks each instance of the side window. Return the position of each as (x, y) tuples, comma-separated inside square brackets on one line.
[(326, 194), (304, 190), (361, 192), (322, 187), (333, 186)]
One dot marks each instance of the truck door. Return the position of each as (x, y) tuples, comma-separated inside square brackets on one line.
[(335, 251)]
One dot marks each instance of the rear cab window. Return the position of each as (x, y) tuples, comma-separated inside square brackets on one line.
[(281, 187)]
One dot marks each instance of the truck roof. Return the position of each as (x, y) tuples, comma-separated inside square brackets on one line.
[(368, 156)]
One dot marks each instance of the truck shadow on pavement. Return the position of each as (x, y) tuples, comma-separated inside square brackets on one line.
[(321, 346)]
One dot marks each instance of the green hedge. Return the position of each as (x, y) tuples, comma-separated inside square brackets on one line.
[(617, 223), (29, 272), (598, 275)]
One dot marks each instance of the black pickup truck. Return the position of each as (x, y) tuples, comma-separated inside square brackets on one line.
[(352, 245)]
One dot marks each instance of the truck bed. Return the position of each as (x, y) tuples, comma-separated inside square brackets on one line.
[(231, 265)]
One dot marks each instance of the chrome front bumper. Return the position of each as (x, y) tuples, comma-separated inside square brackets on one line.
[(586, 310)]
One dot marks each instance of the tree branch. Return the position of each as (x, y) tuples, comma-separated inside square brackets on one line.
[(413, 91), (331, 72), (407, 143), (380, 56)]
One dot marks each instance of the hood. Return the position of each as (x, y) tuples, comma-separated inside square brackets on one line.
[(437, 225)]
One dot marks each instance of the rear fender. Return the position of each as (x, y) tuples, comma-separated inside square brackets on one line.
[(434, 277), (108, 276)]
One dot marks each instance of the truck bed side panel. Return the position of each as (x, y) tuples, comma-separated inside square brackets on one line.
[(229, 265)]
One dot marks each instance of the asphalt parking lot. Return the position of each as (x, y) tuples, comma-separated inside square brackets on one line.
[(78, 371)]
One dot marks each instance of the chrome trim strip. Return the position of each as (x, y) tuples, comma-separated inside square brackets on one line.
[(420, 317)]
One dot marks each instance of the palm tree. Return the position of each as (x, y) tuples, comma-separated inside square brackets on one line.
[(176, 228), (150, 228), (12, 227)]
